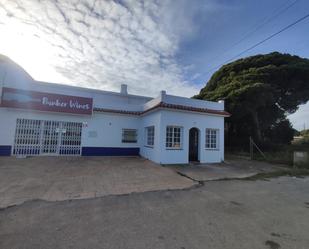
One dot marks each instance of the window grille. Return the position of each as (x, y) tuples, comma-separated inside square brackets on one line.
[(27, 139), (39, 137)]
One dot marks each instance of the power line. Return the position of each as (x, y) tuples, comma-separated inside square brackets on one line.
[(258, 27), (260, 42), (268, 20)]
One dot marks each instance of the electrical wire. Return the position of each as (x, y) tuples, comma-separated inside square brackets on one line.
[(268, 20), (260, 42)]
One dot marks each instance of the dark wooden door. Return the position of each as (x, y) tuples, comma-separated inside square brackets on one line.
[(193, 144)]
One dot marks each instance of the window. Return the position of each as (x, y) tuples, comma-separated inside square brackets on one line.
[(129, 135), (150, 136), (212, 139), (173, 137)]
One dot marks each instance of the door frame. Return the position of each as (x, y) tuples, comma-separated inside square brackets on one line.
[(197, 148)]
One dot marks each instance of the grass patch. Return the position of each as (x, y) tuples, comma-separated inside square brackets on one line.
[(277, 154), (277, 157), (296, 172)]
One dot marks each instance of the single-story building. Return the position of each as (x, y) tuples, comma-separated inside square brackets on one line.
[(40, 119)]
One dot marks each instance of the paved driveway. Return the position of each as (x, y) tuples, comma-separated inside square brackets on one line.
[(63, 178), (232, 168)]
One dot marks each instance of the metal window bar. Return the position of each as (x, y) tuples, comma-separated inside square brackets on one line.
[(37, 137)]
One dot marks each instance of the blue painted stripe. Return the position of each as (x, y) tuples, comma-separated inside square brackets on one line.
[(109, 151), (5, 150)]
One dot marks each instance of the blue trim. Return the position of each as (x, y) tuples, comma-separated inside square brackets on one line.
[(109, 151), (5, 150)]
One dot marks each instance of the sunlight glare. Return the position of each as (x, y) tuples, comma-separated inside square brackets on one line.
[(25, 45)]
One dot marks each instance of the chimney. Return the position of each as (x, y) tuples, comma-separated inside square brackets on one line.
[(162, 95), (124, 89)]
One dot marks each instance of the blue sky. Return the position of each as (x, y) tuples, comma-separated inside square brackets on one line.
[(217, 32), (150, 45)]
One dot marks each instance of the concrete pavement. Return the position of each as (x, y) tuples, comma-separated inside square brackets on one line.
[(232, 168), (65, 178)]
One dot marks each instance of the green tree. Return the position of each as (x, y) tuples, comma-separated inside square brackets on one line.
[(259, 91)]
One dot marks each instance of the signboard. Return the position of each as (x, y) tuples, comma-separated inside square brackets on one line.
[(49, 102)]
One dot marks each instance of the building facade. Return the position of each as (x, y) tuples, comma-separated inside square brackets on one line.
[(40, 119)]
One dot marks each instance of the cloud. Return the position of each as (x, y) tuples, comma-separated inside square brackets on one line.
[(300, 119), (99, 44)]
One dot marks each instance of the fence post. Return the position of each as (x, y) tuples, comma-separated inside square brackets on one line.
[(251, 148), (252, 143)]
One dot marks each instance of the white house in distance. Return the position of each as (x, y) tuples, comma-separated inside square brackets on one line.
[(40, 119)]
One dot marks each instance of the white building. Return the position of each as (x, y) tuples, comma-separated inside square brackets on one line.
[(50, 119)]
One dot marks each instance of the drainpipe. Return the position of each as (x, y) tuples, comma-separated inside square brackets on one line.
[(2, 84)]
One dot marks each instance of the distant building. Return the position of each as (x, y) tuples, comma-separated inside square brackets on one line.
[(40, 119)]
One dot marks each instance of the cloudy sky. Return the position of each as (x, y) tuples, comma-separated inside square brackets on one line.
[(150, 45)]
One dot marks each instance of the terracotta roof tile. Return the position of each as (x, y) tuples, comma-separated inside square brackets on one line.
[(166, 106)]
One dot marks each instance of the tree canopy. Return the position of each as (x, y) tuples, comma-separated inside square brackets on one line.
[(259, 92)]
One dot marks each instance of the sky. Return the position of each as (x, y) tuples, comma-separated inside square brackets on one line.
[(149, 45)]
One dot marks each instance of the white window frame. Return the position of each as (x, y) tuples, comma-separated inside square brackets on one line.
[(212, 139), (124, 140), (149, 136), (171, 142)]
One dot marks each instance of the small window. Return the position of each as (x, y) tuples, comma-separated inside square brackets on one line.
[(212, 139), (150, 136), (173, 137), (129, 135)]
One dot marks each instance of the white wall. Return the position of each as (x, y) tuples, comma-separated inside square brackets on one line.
[(151, 153), (176, 100), (187, 121), (109, 130), (107, 126)]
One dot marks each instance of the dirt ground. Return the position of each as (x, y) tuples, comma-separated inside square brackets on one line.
[(65, 178)]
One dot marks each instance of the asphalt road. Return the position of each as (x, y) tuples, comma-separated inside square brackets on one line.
[(221, 214)]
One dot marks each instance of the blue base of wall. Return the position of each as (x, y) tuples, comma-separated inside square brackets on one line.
[(109, 151), (5, 150)]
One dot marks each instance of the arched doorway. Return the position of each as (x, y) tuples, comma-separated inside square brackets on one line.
[(193, 144)]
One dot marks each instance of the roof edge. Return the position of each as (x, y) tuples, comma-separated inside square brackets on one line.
[(163, 105)]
